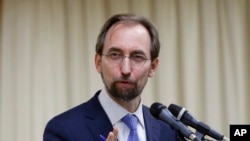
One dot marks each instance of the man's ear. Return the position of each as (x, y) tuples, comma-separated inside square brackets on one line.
[(154, 66), (98, 61)]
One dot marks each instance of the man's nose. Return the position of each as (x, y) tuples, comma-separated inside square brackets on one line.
[(126, 67)]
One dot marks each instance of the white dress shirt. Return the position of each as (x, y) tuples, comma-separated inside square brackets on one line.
[(116, 112)]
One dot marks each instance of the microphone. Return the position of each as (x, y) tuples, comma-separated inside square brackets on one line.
[(161, 112), (183, 115)]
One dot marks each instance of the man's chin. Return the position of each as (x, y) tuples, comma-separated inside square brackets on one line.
[(125, 95)]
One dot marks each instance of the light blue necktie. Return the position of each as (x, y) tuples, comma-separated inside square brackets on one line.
[(131, 122)]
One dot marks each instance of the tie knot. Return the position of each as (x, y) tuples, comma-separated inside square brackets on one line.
[(131, 121)]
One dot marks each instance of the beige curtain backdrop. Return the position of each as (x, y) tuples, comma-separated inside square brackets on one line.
[(47, 59)]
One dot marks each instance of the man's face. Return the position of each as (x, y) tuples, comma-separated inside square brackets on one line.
[(125, 80)]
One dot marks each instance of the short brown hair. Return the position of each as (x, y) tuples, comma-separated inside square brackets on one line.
[(127, 18)]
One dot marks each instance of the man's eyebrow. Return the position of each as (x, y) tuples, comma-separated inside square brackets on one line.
[(138, 52), (114, 49)]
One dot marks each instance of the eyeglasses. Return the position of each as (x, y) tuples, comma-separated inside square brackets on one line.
[(117, 58)]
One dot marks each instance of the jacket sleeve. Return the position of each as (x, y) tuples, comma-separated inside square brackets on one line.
[(54, 131)]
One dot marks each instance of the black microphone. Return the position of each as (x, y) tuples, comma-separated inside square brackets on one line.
[(161, 112), (183, 115)]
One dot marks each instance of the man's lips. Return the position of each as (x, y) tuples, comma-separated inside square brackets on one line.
[(125, 81), (125, 84)]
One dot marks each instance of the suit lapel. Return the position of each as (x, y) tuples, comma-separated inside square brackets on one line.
[(98, 123), (151, 125)]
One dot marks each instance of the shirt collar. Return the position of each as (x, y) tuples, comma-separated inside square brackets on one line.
[(116, 112)]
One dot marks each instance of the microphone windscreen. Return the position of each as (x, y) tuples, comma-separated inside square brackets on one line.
[(174, 109), (156, 109)]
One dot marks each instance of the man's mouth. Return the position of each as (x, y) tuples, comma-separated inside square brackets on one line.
[(126, 84)]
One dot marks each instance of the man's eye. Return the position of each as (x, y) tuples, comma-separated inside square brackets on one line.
[(114, 55), (138, 58)]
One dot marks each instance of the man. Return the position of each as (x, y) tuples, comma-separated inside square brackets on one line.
[(127, 52)]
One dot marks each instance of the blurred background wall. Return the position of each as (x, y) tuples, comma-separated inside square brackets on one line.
[(47, 59)]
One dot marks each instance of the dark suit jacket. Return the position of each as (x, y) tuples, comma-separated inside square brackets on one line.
[(88, 121)]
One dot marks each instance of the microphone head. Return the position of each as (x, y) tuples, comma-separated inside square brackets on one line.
[(174, 109), (156, 109)]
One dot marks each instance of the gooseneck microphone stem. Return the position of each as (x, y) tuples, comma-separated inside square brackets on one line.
[(177, 125)]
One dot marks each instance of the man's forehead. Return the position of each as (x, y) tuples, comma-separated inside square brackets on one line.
[(125, 25)]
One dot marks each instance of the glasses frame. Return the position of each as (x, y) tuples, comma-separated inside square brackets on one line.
[(122, 58)]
